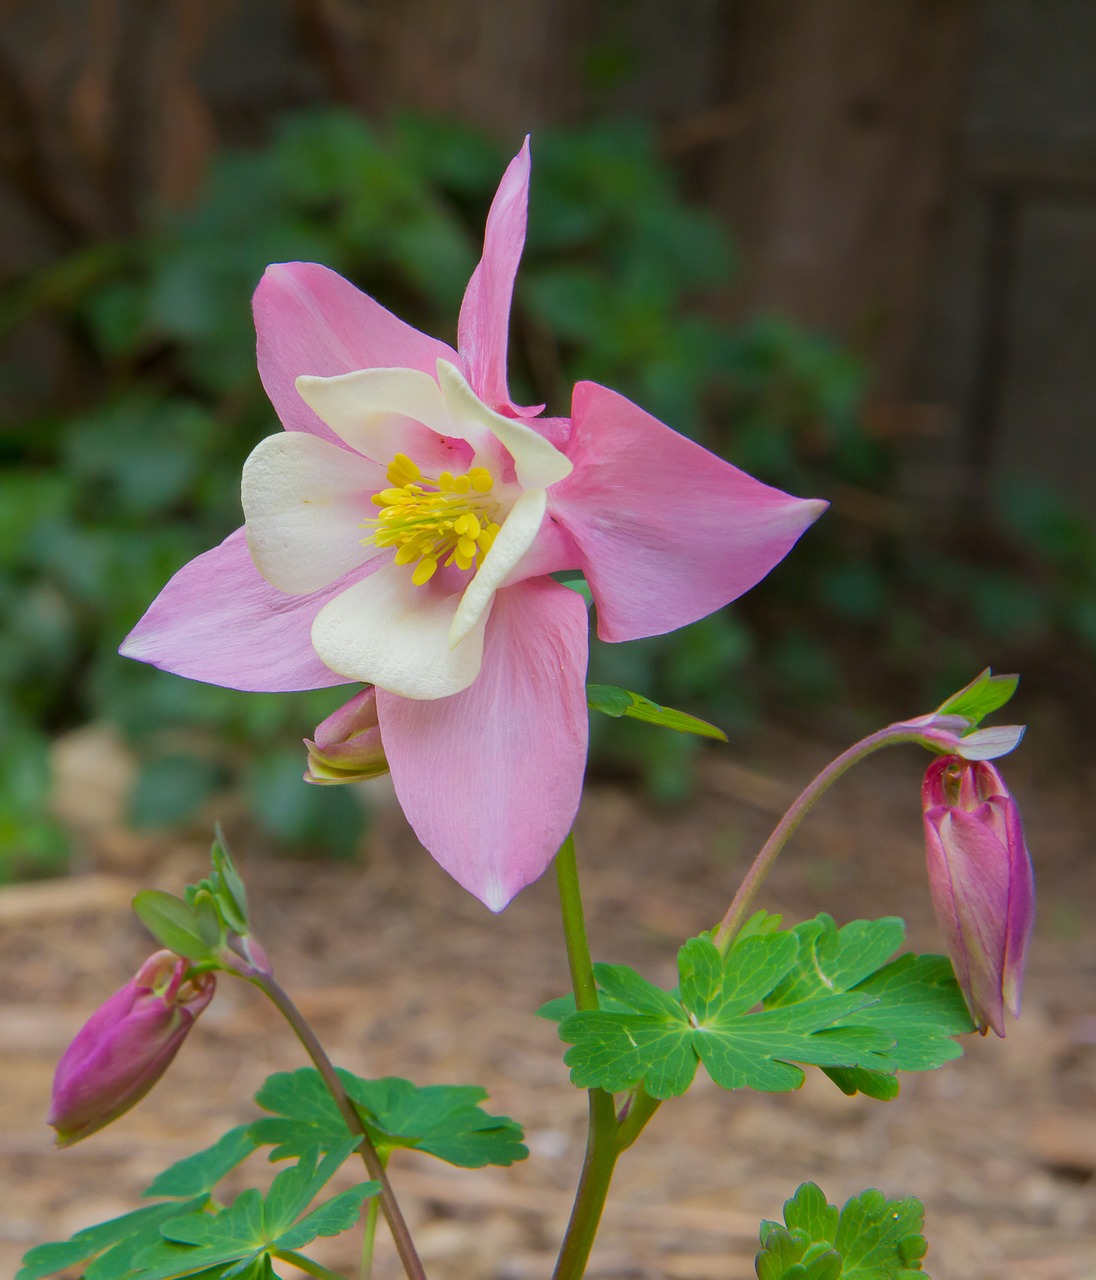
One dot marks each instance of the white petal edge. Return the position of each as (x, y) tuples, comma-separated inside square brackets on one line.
[(513, 540), (536, 462), (304, 502), (386, 631), (370, 408)]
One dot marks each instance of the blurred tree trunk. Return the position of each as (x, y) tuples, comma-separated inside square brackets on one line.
[(835, 182)]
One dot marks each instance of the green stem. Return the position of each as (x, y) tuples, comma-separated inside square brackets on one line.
[(401, 1236), (739, 909), (305, 1264), (633, 1119), (602, 1148), (369, 1238)]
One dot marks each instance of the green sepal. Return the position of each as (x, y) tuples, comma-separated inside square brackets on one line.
[(611, 701), (985, 694), (445, 1121), (175, 924), (871, 1238)]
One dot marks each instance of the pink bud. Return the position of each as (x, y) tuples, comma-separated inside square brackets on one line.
[(126, 1046), (982, 884), (348, 746)]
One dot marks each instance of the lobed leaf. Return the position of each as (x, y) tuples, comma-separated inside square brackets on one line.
[(445, 1121), (871, 1238), (812, 995)]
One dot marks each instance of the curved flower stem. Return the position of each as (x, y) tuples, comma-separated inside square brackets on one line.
[(602, 1147), (304, 1033), (739, 909)]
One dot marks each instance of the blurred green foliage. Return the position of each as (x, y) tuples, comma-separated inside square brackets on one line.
[(116, 484)]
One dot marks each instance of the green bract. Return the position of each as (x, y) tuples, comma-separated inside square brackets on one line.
[(615, 702)]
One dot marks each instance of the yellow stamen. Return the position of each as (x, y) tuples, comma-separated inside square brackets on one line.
[(448, 520)]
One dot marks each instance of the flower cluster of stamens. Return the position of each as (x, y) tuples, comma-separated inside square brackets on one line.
[(447, 520)]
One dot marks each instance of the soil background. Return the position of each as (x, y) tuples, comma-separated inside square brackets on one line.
[(403, 973)]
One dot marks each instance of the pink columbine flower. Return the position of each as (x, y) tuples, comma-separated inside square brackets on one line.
[(126, 1046), (402, 532), (982, 883)]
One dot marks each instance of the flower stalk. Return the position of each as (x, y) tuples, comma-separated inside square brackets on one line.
[(602, 1146), (397, 1224), (739, 910)]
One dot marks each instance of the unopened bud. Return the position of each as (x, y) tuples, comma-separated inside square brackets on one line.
[(347, 746), (982, 883), (126, 1046)]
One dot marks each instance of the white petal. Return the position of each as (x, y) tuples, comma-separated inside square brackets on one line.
[(304, 501), (374, 409), (512, 541), (537, 463), (386, 631)]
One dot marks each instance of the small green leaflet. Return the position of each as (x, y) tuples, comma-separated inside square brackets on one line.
[(824, 1001), (237, 1237), (201, 1172), (108, 1247), (985, 694), (915, 999), (615, 702), (872, 1238), (444, 1120), (175, 924)]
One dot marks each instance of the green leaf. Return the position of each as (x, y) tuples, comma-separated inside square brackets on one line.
[(824, 1000), (985, 694), (915, 999), (616, 702), (202, 1171), (445, 1121), (109, 1243), (233, 895), (239, 1236), (173, 923), (333, 1216), (872, 1238), (661, 1039)]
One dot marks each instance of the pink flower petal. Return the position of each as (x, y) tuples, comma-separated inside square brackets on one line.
[(218, 620), (484, 326), (310, 321), (491, 778), (667, 532)]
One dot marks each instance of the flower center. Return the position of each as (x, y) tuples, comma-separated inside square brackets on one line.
[(429, 519)]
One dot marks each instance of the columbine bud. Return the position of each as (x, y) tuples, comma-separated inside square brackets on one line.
[(981, 881), (348, 744), (126, 1046)]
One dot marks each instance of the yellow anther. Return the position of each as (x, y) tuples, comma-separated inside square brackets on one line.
[(424, 571), (401, 470), (430, 522)]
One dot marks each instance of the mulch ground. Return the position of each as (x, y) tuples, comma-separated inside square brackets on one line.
[(402, 973)]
